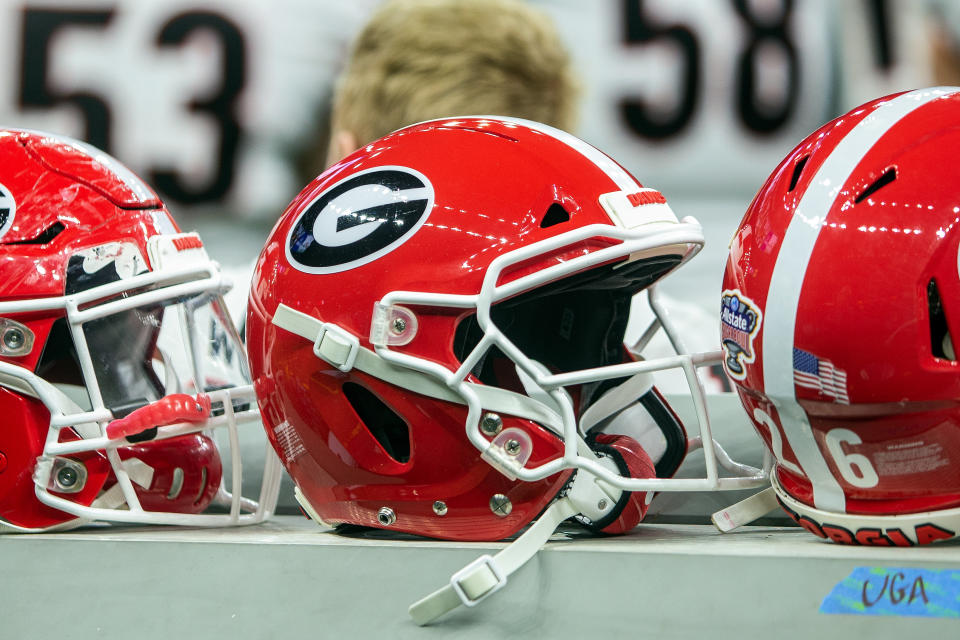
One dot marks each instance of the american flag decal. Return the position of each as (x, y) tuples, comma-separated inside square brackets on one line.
[(810, 372)]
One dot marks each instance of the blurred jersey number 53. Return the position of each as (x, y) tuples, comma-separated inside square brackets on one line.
[(209, 99), (205, 98)]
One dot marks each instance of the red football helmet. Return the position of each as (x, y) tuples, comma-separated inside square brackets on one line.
[(435, 331), (841, 297), (117, 355)]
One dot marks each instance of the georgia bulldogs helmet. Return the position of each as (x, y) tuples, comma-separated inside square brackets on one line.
[(435, 331), (841, 298), (118, 359)]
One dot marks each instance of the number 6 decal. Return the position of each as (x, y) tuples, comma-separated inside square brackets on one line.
[(866, 475), (854, 467)]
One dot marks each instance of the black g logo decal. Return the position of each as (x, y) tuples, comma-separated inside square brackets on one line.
[(359, 219), (8, 208)]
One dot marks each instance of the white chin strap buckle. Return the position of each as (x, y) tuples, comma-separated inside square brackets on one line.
[(478, 581), (486, 575), (336, 346)]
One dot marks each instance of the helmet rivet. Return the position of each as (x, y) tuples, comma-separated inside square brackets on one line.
[(67, 477), (501, 505), (399, 325), (602, 504), (3, 462), (13, 338), (386, 516), (491, 424), (440, 508), (512, 447)]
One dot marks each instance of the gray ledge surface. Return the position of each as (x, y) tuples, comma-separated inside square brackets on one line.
[(289, 579)]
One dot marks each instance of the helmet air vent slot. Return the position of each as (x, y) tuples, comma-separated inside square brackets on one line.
[(381, 421), (797, 170), (885, 178), (203, 486), (45, 237), (555, 214), (176, 484), (941, 343)]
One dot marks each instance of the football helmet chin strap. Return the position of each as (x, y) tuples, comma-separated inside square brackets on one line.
[(488, 574), (588, 494), (745, 511)]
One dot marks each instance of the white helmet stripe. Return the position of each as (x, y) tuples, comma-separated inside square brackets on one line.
[(786, 283)]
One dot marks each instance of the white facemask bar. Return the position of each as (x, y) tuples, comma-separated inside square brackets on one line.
[(546, 401), (644, 241), (186, 281)]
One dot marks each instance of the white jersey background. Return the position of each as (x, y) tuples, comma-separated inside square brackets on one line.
[(213, 101)]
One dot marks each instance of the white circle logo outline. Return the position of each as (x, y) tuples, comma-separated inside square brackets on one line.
[(7, 202), (346, 266)]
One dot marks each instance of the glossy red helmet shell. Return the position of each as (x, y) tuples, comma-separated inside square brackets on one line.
[(841, 306), (377, 268), (66, 211)]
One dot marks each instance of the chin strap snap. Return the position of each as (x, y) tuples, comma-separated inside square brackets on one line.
[(488, 574)]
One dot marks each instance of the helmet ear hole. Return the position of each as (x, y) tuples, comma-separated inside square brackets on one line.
[(383, 423)]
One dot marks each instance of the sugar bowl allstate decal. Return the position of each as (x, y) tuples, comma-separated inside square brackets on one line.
[(740, 320)]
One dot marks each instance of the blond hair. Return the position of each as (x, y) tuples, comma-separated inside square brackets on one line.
[(421, 59)]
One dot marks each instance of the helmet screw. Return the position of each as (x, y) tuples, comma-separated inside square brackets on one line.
[(501, 505), (602, 504), (491, 424), (3, 462), (67, 477), (512, 447), (13, 338), (440, 508), (386, 516), (399, 325)]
